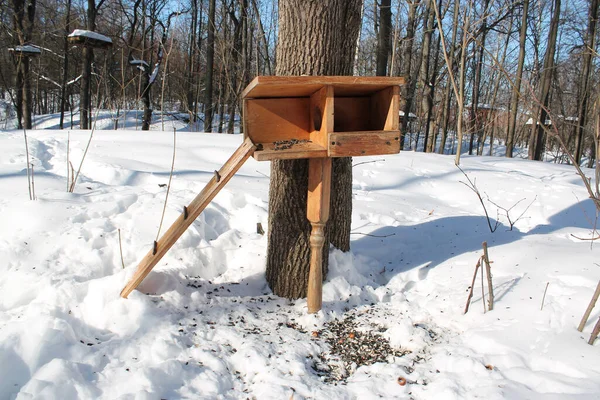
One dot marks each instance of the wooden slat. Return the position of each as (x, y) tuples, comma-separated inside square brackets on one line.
[(352, 144), (304, 86), (296, 151), (270, 120), (321, 115), (193, 210), (385, 109)]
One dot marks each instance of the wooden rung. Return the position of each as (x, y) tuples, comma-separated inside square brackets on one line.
[(218, 181), (289, 150)]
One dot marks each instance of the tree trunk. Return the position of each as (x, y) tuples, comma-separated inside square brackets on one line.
[(514, 99), (23, 21), (450, 66), (475, 117), (210, 56), (409, 87), (384, 37), (427, 98), (315, 38), (584, 93), (65, 76), (191, 81), (431, 129), (536, 140)]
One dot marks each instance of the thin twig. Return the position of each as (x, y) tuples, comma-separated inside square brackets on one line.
[(121, 249), (376, 236), (27, 153), (367, 162), (162, 217), (72, 188), (544, 297), (265, 175), (580, 238), (68, 162), (32, 183), (471, 185)]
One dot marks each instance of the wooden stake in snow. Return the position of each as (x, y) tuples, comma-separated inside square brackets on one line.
[(589, 309), (472, 286), (483, 262), (488, 271), (595, 332)]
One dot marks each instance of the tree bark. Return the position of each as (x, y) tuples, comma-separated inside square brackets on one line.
[(427, 98), (514, 99), (475, 117), (450, 66), (315, 38), (85, 94), (384, 36), (210, 57), (409, 87), (63, 89), (584, 93), (23, 22), (536, 140)]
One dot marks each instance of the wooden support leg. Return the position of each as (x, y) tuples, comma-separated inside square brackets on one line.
[(319, 188), (190, 213)]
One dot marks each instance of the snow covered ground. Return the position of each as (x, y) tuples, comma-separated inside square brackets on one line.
[(205, 324)]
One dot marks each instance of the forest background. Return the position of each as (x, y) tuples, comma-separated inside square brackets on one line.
[(519, 73)]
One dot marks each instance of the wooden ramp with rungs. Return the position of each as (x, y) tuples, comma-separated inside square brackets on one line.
[(190, 213)]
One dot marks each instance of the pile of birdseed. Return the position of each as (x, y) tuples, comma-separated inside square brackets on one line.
[(352, 346)]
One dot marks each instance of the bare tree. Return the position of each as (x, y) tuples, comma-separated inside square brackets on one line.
[(210, 56), (584, 93), (23, 22), (514, 99), (384, 38), (85, 94), (536, 140)]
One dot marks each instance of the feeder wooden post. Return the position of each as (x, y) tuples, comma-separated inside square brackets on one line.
[(319, 185)]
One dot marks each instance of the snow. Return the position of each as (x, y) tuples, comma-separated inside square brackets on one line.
[(154, 74), (205, 323), (138, 62), (91, 35), (25, 49), (410, 115)]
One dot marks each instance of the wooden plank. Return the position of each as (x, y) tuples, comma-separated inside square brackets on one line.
[(304, 86), (318, 203), (385, 109), (193, 211), (272, 151), (351, 144), (270, 120), (352, 114), (321, 115)]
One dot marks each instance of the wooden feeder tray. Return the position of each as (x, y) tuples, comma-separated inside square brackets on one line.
[(291, 117), (25, 51), (89, 39)]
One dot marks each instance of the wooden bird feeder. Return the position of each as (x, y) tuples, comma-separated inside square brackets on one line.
[(80, 37), (25, 51), (294, 117)]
